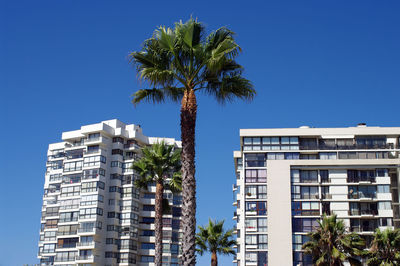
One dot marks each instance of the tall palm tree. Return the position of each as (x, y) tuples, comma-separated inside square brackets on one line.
[(159, 164), (178, 63), (331, 245), (215, 240), (385, 248)]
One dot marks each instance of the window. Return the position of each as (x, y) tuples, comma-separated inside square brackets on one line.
[(176, 224), (275, 156), (255, 160), (148, 208), (93, 173), (129, 217), (73, 166), (308, 156), (256, 176), (304, 224), (52, 223), (327, 155), (90, 213), (166, 222), (176, 212), (67, 229), (50, 235), (70, 191), (262, 224), (251, 223), (147, 246), (67, 242), (355, 176), (118, 139), (259, 207), (130, 192), (262, 242), (324, 176), (383, 189), (116, 164), (356, 192), (94, 160), (93, 149), (91, 199), (292, 156), (385, 222), (114, 189), (49, 248), (66, 256), (251, 240), (309, 192), (68, 217), (305, 208), (94, 136), (251, 257), (117, 151), (146, 258), (148, 233), (308, 176), (91, 186), (147, 220), (51, 211), (384, 205)]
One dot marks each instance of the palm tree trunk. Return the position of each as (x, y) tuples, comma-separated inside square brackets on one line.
[(158, 223), (188, 125), (214, 259)]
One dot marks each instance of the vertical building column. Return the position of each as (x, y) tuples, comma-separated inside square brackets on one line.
[(279, 213)]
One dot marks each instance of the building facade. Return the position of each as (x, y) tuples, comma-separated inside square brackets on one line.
[(92, 213), (286, 179)]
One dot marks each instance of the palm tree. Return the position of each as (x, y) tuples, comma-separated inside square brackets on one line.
[(160, 163), (177, 64), (385, 248), (331, 245), (214, 239)]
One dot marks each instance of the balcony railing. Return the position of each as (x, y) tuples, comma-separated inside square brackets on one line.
[(361, 195), (348, 147), (363, 212), (88, 257), (85, 244)]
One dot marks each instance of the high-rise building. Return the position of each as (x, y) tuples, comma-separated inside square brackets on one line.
[(288, 178), (92, 213)]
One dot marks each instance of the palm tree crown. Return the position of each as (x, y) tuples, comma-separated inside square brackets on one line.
[(176, 64), (215, 240), (330, 244), (159, 164), (385, 248), (181, 59)]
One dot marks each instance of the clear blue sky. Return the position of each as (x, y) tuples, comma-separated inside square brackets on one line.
[(64, 64)]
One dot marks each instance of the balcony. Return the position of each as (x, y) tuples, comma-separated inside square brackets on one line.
[(348, 147), (87, 230), (87, 258), (356, 212), (90, 244), (362, 196), (131, 146), (326, 196)]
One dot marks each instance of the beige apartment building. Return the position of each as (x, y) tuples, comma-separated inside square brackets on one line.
[(288, 178), (92, 213)]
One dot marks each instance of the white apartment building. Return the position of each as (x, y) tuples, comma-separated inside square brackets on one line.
[(92, 213), (288, 178)]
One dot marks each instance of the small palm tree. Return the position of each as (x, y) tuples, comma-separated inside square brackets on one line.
[(385, 248), (160, 163), (331, 245), (214, 239), (177, 64)]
